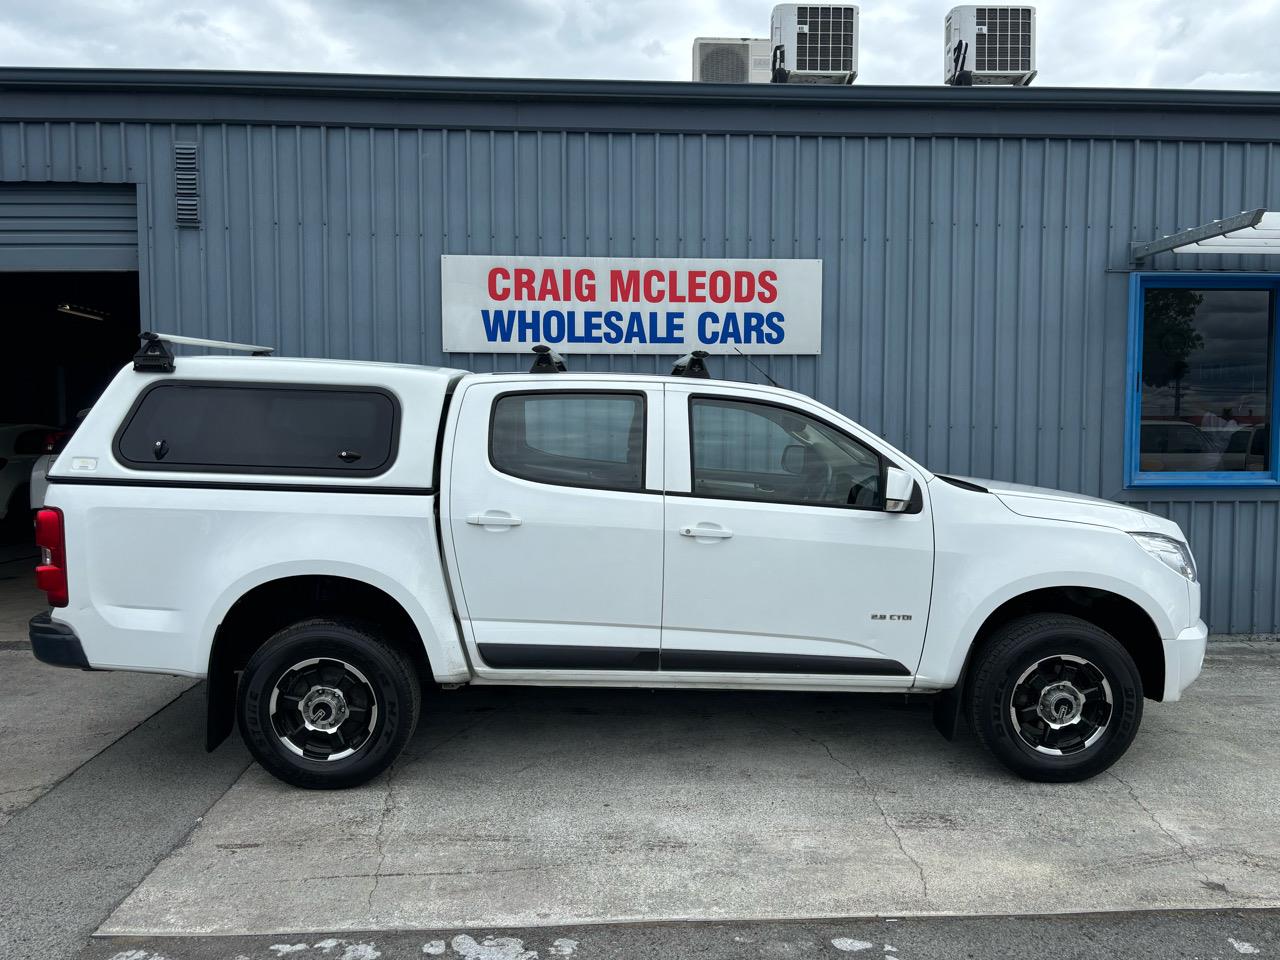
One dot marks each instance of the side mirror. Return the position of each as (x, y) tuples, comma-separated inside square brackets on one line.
[(793, 459), (898, 489)]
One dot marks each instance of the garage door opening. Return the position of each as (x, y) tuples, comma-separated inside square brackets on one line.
[(64, 336)]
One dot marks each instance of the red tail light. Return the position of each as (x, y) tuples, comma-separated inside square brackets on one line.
[(51, 574)]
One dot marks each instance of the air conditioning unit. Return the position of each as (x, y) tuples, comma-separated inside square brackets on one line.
[(730, 60), (990, 46), (815, 43)]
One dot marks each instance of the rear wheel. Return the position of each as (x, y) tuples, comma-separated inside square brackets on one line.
[(1055, 698), (327, 705)]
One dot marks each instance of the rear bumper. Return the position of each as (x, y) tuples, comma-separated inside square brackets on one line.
[(56, 643), (1183, 658)]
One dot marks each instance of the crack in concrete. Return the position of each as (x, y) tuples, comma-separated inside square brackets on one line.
[(379, 838), (879, 805), (394, 874), (32, 789), (1185, 850), (389, 805)]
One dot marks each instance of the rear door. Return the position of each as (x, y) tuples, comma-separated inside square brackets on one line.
[(554, 510)]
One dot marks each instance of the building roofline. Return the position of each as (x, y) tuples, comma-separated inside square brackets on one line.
[(256, 83), (188, 98)]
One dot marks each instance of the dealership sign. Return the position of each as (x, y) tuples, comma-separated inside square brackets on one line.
[(630, 305)]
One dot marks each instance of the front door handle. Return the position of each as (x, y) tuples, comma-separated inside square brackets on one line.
[(493, 518), (706, 531)]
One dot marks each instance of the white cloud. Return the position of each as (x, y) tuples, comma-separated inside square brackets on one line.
[(1173, 43)]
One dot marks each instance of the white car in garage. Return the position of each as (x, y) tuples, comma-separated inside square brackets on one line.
[(20, 445), (54, 441)]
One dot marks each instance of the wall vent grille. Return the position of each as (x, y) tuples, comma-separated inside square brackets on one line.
[(186, 184)]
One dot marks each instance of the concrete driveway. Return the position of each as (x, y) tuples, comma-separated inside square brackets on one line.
[(101, 775), (52, 719), (19, 598), (545, 808), (542, 806)]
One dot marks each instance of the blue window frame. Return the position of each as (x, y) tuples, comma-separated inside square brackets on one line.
[(1202, 398)]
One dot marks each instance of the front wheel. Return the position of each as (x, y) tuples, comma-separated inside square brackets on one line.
[(1055, 698), (326, 705)]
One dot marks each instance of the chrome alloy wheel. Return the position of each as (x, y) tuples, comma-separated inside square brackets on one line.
[(1061, 705), (323, 709)]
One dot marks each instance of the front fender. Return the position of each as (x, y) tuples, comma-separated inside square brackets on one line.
[(987, 555), (942, 661)]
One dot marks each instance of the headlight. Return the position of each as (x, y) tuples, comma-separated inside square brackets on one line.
[(1174, 554)]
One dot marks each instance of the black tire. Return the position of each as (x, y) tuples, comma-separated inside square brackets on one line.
[(1033, 677), (375, 708)]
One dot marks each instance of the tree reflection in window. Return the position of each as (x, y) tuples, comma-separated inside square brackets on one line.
[(1169, 336), (1206, 379)]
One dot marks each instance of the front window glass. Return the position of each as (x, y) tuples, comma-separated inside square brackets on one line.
[(1206, 380), (754, 451)]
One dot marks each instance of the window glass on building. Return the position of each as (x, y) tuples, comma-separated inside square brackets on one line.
[(257, 428), (755, 451), (575, 438), (1206, 380)]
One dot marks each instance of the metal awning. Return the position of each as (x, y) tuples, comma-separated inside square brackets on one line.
[(1251, 232)]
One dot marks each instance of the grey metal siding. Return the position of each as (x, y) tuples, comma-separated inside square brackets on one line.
[(68, 227), (975, 288)]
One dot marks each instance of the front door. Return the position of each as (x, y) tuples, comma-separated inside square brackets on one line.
[(556, 535), (780, 558)]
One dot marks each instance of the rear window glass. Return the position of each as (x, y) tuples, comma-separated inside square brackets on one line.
[(576, 439), (261, 428)]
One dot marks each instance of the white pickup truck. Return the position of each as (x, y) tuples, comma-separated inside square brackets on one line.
[(320, 538)]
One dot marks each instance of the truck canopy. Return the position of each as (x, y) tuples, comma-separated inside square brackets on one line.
[(256, 419)]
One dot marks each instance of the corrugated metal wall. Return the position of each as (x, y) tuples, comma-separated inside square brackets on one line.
[(976, 289), (47, 226)]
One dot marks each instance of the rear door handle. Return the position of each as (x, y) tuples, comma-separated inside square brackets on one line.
[(706, 531), (493, 518)]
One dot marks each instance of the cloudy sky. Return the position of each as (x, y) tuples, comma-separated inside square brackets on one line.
[(1169, 43)]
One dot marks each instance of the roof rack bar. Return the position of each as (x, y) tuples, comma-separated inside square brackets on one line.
[(253, 348), (156, 353)]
